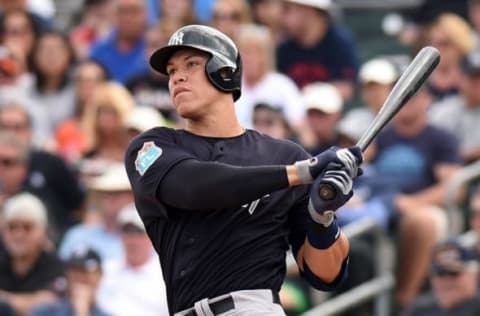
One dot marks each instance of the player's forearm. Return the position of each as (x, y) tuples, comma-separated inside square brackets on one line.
[(325, 264)]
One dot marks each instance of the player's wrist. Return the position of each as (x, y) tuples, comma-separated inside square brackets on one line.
[(303, 170), (322, 237)]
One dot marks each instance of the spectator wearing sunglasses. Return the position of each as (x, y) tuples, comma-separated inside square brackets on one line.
[(454, 276), (43, 174), (29, 274)]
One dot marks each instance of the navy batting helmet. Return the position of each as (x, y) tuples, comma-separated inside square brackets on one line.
[(224, 67)]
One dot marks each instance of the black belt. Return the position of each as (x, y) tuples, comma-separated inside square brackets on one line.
[(226, 304)]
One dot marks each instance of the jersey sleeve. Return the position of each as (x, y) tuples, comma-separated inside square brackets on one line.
[(148, 159)]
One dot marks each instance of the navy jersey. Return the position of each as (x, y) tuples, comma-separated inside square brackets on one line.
[(213, 252)]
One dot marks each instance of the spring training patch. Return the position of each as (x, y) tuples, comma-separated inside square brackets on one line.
[(146, 156)]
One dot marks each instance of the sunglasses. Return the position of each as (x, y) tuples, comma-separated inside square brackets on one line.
[(24, 227), (9, 161), (447, 273), (131, 229)]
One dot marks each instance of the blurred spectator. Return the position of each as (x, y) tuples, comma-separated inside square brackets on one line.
[(133, 285), (122, 52), (143, 118), (270, 14), (324, 106), (461, 114), (453, 37), (39, 172), (316, 49), (418, 160), (180, 12), (261, 83), (474, 212), (474, 19), (83, 272), (29, 274), (229, 15), (110, 193), (271, 121), (94, 25), (14, 82), (151, 88), (103, 123), (454, 275), (51, 62), (19, 33), (9, 5), (70, 138), (377, 77)]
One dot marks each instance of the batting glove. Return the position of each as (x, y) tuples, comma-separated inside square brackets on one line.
[(323, 211), (347, 158)]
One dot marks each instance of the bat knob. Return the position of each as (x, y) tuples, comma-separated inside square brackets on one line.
[(327, 192)]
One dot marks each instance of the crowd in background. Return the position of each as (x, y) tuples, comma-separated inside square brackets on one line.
[(72, 96)]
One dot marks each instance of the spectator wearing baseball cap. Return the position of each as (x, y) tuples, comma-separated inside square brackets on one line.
[(83, 271), (454, 275), (133, 285), (29, 274), (316, 48), (377, 77), (323, 105), (109, 193)]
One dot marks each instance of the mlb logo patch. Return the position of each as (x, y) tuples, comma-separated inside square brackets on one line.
[(146, 156)]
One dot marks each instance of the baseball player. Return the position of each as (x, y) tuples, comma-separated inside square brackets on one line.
[(222, 204)]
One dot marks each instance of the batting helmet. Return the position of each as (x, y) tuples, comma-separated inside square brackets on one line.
[(224, 67)]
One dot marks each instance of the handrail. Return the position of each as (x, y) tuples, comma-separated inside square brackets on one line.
[(353, 297), (454, 212)]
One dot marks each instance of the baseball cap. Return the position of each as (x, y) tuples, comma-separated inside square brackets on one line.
[(25, 206), (471, 63), (378, 70), (354, 124), (450, 257), (323, 97), (319, 4), (84, 258), (113, 179), (129, 216), (143, 118)]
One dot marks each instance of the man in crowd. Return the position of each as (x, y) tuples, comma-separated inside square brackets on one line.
[(29, 274), (454, 277)]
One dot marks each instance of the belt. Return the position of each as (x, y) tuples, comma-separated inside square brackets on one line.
[(226, 304)]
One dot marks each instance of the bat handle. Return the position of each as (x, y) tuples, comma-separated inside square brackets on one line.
[(327, 192)]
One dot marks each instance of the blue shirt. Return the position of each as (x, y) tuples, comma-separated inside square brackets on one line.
[(335, 57), (62, 308), (121, 65), (107, 244)]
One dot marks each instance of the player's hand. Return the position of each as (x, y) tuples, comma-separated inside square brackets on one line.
[(347, 158), (341, 180)]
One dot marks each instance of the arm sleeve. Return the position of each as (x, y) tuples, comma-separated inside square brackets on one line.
[(164, 174), (213, 185)]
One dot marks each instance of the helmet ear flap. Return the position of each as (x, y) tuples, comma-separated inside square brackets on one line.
[(223, 77)]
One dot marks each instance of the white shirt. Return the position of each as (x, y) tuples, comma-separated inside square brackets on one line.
[(124, 291), (274, 89), (455, 116)]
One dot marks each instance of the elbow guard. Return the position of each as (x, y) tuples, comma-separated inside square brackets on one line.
[(319, 284)]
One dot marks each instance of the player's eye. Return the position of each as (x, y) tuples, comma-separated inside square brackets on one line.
[(192, 64), (171, 71)]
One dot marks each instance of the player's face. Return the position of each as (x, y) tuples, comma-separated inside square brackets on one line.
[(191, 91)]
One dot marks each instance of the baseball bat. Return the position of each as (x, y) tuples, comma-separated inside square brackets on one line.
[(406, 86)]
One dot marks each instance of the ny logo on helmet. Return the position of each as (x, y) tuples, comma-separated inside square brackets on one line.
[(176, 39)]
